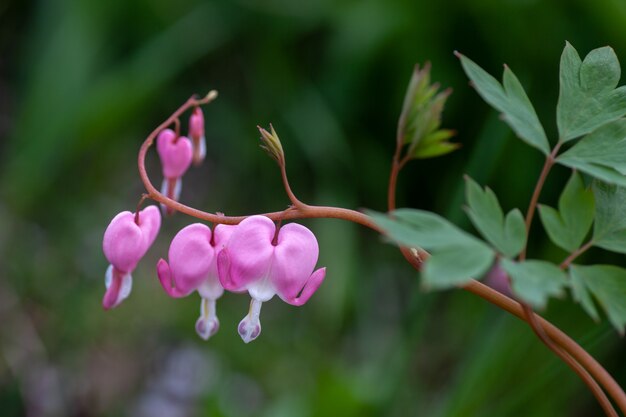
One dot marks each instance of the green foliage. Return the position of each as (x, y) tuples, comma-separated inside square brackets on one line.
[(420, 120), (511, 100), (588, 97), (568, 226), (609, 230), (607, 283), (457, 256), (506, 234), (601, 154), (534, 281)]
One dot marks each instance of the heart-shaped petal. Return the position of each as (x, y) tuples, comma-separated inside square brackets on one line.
[(175, 153), (248, 256), (126, 242), (295, 257), (191, 257)]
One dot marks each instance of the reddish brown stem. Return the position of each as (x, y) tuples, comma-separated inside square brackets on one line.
[(584, 248), (532, 206)]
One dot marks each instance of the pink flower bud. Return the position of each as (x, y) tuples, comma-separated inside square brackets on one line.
[(124, 244), (196, 132), (176, 154), (193, 267), (498, 279), (264, 264)]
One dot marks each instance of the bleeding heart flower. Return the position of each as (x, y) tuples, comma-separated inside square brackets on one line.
[(196, 132), (176, 154), (192, 267), (125, 243), (265, 261)]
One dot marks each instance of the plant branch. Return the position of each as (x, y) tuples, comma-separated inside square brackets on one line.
[(532, 206), (572, 256)]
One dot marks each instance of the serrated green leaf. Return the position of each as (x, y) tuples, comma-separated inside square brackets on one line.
[(457, 256), (535, 281), (511, 100), (568, 226), (507, 235), (588, 98), (607, 283), (609, 231), (581, 295), (601, 154)]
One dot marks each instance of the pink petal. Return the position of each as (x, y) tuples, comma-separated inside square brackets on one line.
[(211, 288), (175, 153), (165, 277), (150, 223), (310, 287), (191, 257), (196, 124), (248, 255), (124, 243), (294, 260), (118, 287)]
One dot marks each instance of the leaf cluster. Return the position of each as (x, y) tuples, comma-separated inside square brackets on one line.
[(591, 210)]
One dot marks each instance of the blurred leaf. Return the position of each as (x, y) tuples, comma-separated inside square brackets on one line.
[(535, 281), (511, 100), (607, 283), (581, 294), (588, 98), (507, 235), (420, 119), (458, 256), (568, 226), (610, 218), (601, 154)]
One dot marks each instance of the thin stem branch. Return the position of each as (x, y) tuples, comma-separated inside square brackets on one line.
[(532, 206), (572, 256), (292, 197)]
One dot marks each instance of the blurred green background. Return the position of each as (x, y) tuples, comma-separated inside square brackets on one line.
[(83, 82)]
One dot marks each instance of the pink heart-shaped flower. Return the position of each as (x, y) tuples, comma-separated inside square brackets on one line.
[(175, 153)]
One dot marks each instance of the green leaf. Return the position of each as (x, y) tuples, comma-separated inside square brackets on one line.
[(581, 295), (609, 231), (455, 265), (588, 98), (511, 100), (535, 281), (507, 235), (568, 226), (601, 154), (457, 256), (435, 149), (607, 283)]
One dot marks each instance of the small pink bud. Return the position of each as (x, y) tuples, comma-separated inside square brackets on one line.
[(257, 261), (124, 244), (196, 132), (498, 279), (192, 267), (175, 154)]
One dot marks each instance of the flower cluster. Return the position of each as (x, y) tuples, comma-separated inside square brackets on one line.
[(256, 256)]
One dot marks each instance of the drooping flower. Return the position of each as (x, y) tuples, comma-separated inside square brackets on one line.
[(265, 261), (175, 153), (193, 267), (196, 132), (126, 240)]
